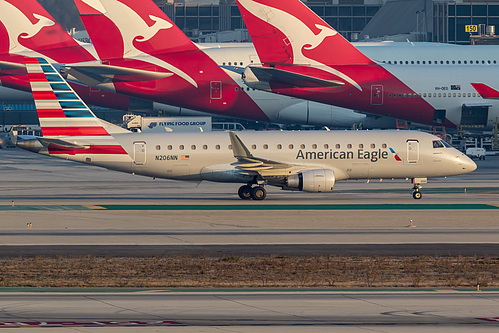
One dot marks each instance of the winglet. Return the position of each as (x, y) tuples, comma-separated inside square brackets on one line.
[(485, 91), (238, 147)]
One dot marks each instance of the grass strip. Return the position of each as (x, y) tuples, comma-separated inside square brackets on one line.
[(250, 272)]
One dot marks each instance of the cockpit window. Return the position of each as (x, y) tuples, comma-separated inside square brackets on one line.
[(438, 144), (441, 144), (446, 144)]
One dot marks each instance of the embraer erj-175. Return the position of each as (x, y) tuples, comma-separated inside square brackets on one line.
[(302, 56), (304, 161)]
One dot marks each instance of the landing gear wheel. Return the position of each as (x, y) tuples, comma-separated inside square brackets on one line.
[(244, 192), (417, 195), (258, 193)]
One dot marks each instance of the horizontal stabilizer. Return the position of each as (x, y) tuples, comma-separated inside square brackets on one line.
[(92, 74), (11, 65), (485, 91), (60, 144), (254, 74)]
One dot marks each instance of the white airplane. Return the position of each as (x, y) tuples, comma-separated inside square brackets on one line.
[(303, 57), (302, 161), (26, 37)]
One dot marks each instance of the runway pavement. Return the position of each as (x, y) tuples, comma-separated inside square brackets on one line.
[(51, 206), (250, 311)]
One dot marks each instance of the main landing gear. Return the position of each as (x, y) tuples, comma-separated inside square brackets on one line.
[(247, 192)]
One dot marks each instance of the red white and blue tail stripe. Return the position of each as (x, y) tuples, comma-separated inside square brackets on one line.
[(63, 115)]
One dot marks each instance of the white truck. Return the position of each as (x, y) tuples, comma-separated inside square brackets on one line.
[(476, 152), (167, 124)]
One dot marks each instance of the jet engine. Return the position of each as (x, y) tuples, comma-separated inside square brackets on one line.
[(320, 180)]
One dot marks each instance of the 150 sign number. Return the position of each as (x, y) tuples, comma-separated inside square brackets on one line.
[(471, 28)]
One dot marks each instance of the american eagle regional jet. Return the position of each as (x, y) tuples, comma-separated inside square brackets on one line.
[(310, 161)]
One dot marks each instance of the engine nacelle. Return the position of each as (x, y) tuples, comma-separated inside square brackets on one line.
[(320, 180)]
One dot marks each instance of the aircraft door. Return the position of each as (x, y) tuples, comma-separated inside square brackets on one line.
[(139, 153), (439, 116), (377, 95), (412, 151), (216, 89)]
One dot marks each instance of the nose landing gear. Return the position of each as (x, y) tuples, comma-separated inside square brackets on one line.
[(247, 192), (416, 194)]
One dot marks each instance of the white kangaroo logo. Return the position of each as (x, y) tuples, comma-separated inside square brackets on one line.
[(159, 24), (298, 33), (134, 28), (42, 23), (19, 26), (318, 39)]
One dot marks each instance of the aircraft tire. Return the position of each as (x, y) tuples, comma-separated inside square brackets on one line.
[(417, 195), (258, 193), (244, 192)]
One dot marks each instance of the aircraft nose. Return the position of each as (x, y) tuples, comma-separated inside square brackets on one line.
[(467, 163)]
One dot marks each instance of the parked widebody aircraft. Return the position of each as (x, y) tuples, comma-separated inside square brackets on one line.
[(302, 56), (232, 58), (302, 161), (26, 29)]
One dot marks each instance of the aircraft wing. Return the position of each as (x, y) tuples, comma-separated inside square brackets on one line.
[(252, 165), (93, 74), (273, 75)]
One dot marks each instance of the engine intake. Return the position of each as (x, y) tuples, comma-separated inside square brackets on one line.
[(320, 180)]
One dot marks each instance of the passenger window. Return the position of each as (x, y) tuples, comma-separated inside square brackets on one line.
[(217, 147), (193, 147), (361, 145), (326, 146), (349, 146), (253, 146), (205, 147), (373, 145), (337, 146), (158, 147), (383, 145), (229, 147), (291, 146), (265, 146), (279, 146), (181, 147), (169, 147), (302, 146), (314, 146)]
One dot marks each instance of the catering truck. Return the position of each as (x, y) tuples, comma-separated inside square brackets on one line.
[(137, 123)]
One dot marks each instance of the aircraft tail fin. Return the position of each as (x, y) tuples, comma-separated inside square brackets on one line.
[(132, 28), (61, 111), (288, 32), (485, 91), (26, 25)]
